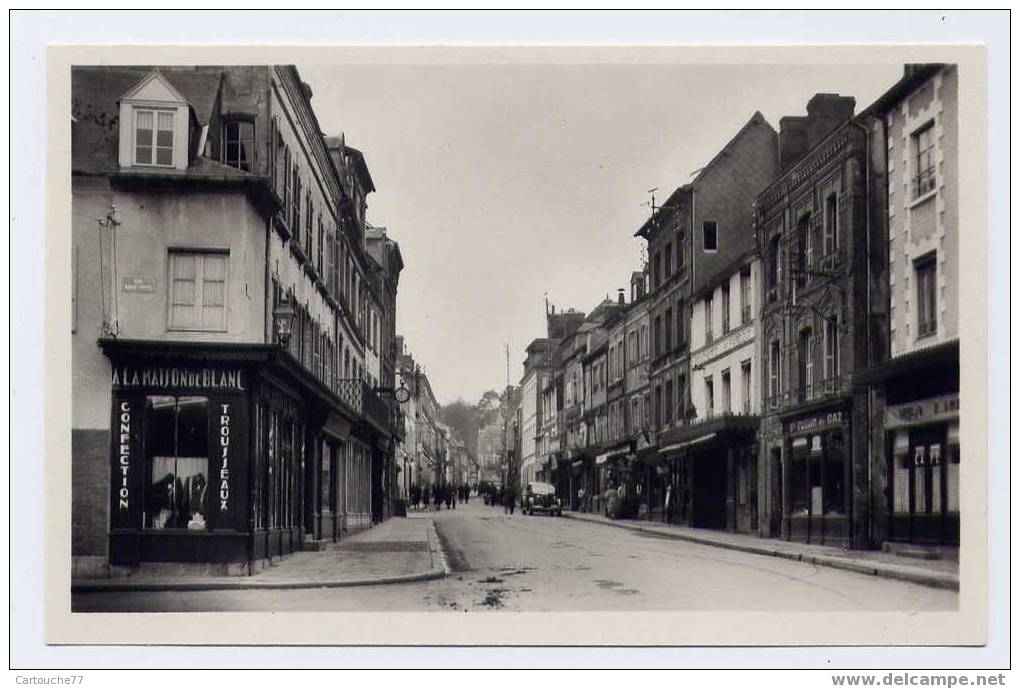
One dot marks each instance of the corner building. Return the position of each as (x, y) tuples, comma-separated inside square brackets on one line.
[(205, 431)]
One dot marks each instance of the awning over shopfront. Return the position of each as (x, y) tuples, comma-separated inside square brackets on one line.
[(612, 453), (677, 447)]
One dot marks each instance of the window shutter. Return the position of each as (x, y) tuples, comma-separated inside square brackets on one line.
[(816, 247), (842, 218), (182, 308)]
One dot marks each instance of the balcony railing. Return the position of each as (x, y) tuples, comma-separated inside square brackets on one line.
[(362, 399), (833, 385)]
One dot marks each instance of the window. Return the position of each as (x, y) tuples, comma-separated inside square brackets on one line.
[(831, 224), (154, 137), (680, 341), (924, 160), (774, 364), (669, 330), (658, 406), (803, 250), (710, 235), (725, 308), (805, 355), (657, 334), (176, 462), (708, 320), (198, 294), (238, 144), (745, 296), (668, 253), (668, 404), (726, 391), (927, 320), (774, 263), (657, 270), (709, 397), (745, 385), (831, 348)]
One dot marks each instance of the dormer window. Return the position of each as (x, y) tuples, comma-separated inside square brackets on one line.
[(238, 143), (154, 137), (154, 120)]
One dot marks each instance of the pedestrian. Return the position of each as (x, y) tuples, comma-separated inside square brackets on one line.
[(447, 496), (425, 496), (438, 498), (668, 506)]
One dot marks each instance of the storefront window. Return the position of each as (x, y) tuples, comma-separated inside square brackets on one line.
[(177, 462), (815, 475), (834, 492), (799, 478)]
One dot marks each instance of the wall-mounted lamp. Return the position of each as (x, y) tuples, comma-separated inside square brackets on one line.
[(283, 320)]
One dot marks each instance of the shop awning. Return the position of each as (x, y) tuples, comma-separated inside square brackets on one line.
[(612, 453), (676, 447)]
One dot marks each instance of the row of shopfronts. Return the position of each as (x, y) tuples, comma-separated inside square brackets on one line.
[(233, 455), (837, 474)]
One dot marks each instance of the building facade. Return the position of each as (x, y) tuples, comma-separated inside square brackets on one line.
[(210, 427), (815, 225), (695, 241), (915, 404)]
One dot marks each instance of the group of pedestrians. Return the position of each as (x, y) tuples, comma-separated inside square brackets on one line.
[(432, 498), (505, 496)]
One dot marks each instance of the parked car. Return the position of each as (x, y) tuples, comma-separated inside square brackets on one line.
[(541, 497)]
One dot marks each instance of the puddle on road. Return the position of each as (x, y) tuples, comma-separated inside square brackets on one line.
[(490, 580), (608, 583)]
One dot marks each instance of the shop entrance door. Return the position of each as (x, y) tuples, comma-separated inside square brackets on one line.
[(775, 491), (709, 488)]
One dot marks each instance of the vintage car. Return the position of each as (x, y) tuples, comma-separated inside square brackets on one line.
[(541, 497)]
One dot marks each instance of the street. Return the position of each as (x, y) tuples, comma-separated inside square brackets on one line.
[(539, 563)]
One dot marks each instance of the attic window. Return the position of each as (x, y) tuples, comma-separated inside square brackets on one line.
[(154, 137), (238, 143), (711, 235)]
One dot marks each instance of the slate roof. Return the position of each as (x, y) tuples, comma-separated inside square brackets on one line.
[(95, 92)]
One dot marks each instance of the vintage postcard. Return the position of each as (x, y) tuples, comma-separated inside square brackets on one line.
[(558, 346)]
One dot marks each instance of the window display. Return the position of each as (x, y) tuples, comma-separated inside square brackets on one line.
[(177, 462)]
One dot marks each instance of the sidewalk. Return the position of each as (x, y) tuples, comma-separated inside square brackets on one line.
[(397, 551), (943, 574)]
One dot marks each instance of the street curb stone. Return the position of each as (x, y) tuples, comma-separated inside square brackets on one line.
[(245, 584), (931, 579)]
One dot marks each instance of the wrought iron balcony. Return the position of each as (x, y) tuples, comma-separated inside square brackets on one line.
[(360, 397)]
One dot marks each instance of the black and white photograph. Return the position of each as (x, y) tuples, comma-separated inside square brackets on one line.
[(502, 346), (289, 373)]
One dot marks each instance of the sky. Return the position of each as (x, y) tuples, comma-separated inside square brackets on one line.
[(506, 184)]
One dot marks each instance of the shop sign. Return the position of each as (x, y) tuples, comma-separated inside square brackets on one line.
[(124, 456), (224, 436), (810, 423), (139, 283), (177, 377), (924, 411), (125, 492)]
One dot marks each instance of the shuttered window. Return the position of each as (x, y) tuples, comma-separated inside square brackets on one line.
[(198, 290)]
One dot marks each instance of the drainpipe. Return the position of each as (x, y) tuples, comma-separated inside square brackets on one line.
[(870, 397)]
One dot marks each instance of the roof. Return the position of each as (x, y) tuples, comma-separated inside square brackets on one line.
[(357, 158), (914, 75), (95, 106)]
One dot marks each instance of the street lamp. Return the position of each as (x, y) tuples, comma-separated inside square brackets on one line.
[(283, 320)]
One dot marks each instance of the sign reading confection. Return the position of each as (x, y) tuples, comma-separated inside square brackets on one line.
[(125, 464)]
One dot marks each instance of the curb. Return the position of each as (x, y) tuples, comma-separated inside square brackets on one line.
[(245, 584), (939, 581)]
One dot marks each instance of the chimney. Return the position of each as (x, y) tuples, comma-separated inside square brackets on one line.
[(620, 298), (798, 135)]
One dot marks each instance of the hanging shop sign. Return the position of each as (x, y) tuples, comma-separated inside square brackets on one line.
[(168, 377), (931, 410), (816, 422)]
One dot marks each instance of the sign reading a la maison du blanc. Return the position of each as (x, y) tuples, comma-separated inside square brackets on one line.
[(170, 377)]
